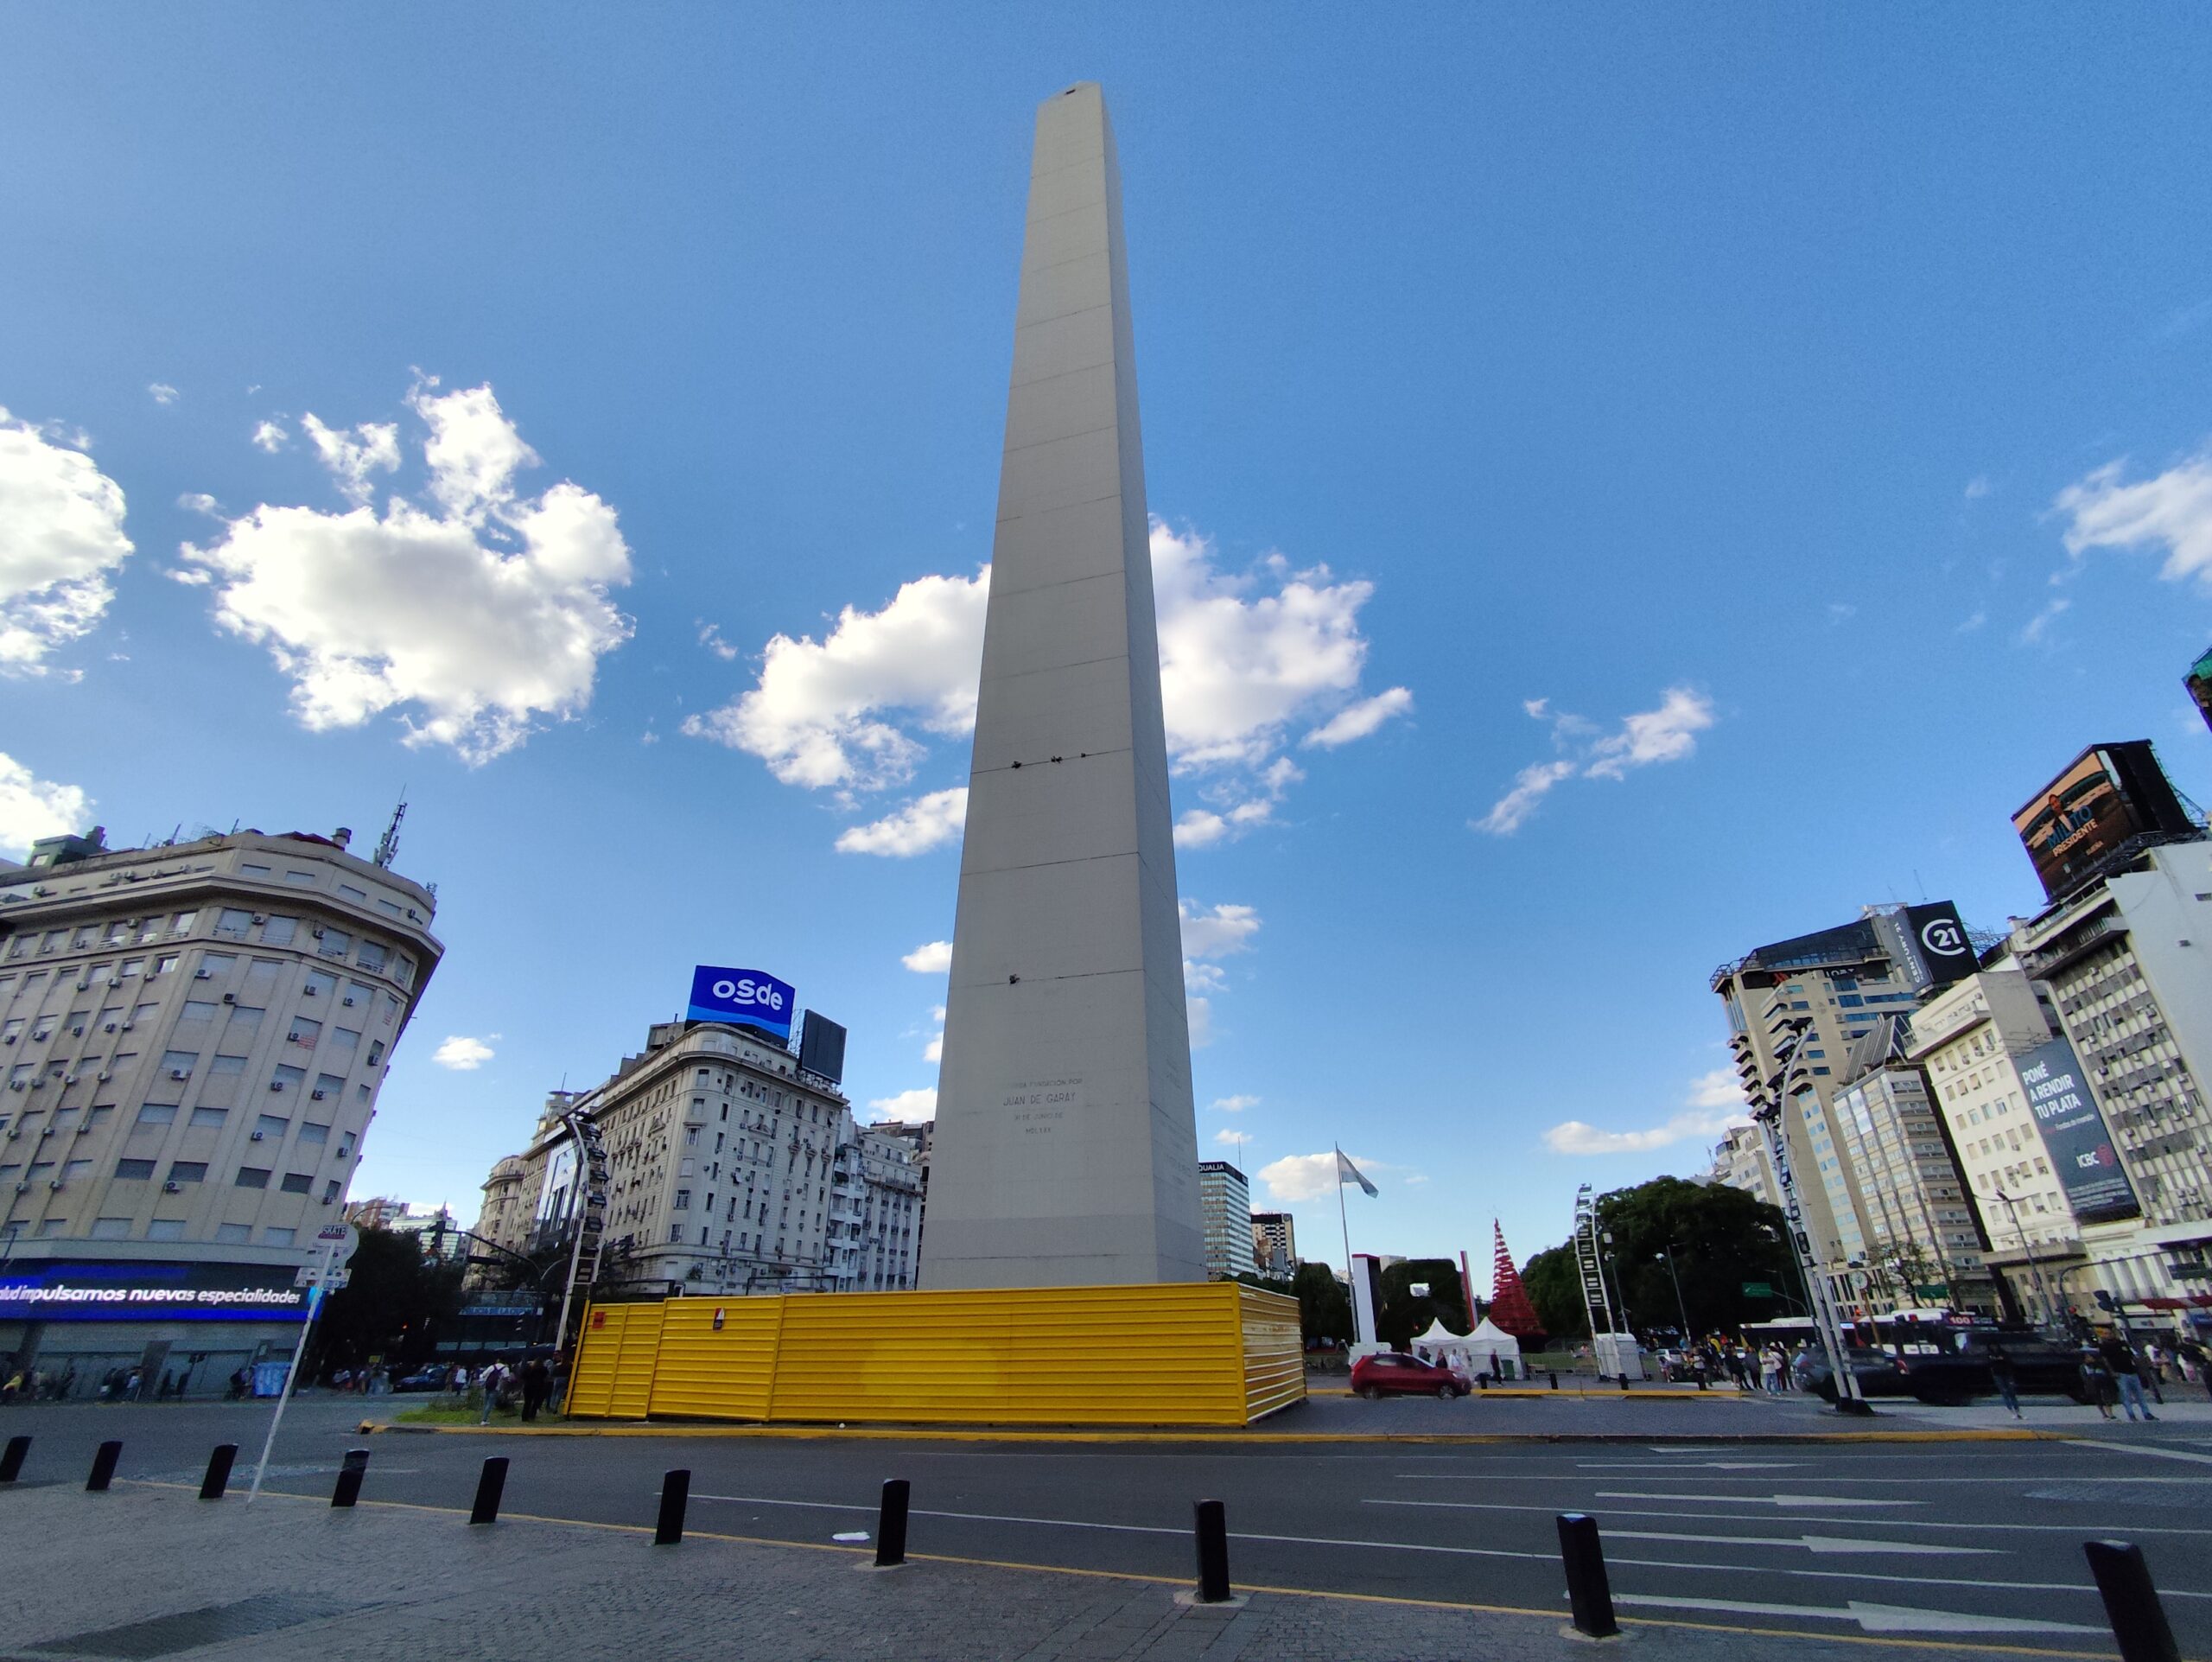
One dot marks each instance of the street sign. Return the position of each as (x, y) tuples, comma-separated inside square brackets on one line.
[(333, 1281), (340, 1240), (1757, 1290)]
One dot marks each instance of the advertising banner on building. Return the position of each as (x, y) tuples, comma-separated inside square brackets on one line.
[(77, 1291), (1941, 940), (744, 997), (2082, 1151)]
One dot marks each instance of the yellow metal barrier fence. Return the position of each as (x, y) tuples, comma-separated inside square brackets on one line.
[(1183, 1353)]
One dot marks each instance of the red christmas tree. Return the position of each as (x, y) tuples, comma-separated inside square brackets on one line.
[(1508, 1305)]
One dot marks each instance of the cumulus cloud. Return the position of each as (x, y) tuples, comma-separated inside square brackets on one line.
[(1313, 1176), (1235, 1105), (931, 958), (270, 435), (1713, 1103), (462, 1053), (924, 824), (1977, 488), (1228, 1138), (1217, 931), (163, 392), (1198, 1015), (1667, 733), (710, 637), (918, 1103), (60, 540), (350, 455), (1245, 658), (2171, 511), (31, 807), (425, 611)]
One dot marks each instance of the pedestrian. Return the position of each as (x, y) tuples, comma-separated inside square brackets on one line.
[(2150, 1372), (11, 1385), (534, 1376), (2096, 1380), (2126, 1371), (2005, 1378), (131, 1386)]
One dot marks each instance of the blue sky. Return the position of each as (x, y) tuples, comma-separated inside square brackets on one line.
[(1771, 441)]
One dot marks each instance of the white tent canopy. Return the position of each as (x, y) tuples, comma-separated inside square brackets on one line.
[(1488, 1349)]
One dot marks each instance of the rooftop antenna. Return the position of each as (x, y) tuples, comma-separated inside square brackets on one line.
[(388, 845)]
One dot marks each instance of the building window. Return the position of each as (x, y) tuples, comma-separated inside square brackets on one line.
[(165, 1229), (232, 1234), (298, 1182), (156, 1113), (207, 1119), (188, 1171), (252, 1177), (276, 1235), (110, 1229), (134, 1171), (683, 1201)]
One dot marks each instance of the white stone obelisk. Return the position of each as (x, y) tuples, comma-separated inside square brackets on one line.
[(1065, 1153)]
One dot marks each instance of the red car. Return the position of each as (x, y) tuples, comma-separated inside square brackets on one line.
[(1389, 1372)]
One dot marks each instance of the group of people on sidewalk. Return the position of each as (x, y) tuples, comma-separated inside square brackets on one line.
[(2113, 1372), (529, 1386)]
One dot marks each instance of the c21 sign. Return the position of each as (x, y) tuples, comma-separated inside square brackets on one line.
[(743, 996)]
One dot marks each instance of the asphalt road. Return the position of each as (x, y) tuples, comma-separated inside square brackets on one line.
[(1975, 1542)]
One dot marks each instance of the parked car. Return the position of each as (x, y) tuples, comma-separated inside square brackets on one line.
[(424, 1378), (1388, 1373)]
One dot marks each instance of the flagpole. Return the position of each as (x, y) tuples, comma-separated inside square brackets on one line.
[(1343, 1220)]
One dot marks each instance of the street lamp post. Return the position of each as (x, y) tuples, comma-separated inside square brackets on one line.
[(2035, 1270), (1767, 1109), (1667, 1251)]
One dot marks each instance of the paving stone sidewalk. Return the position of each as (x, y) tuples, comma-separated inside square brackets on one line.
[(153, 1572)]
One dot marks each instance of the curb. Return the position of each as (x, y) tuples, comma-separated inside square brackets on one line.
[(1199, 1435)]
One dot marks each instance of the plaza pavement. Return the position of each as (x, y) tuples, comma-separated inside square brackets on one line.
[(152, 1571)]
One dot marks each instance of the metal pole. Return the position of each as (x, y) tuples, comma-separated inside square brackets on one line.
[(1675, 1277), (1589, 1594), (675, 1495), (1212, 1523), (2035, 1270), (218, 1477), (576, 1252), (490, 1486), (292, 1373), (12, 1463), (2138, 1622), (891, 1524)]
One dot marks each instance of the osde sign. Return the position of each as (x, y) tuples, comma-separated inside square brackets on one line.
[(747, 996)]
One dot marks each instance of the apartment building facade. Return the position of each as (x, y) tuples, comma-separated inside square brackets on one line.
[(193, 1037), (731, 1170), (1225, 1219), (1275, 1244)]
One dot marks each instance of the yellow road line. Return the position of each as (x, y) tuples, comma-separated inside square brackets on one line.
[(1962, 1647)]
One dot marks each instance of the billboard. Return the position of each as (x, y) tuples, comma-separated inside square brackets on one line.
[(64, 1290), (821, 1046), (2074, 1130), (1940, 941), (2199, 683), (2108, 795), (745, 997)]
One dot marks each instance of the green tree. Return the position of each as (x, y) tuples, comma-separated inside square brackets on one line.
[(1721, 1239), (393, 1298), (1403, 1315), (1324, 1305)]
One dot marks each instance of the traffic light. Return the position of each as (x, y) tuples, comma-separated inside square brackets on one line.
[(2105, 1301)]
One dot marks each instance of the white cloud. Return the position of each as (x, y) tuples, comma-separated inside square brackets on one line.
[(1198, 1015), (2172, 510), (1235, 1105), (1721, 1088), (1228, 1137), (1714, 1102), (931, 958), (1667, 733), (710, 637), (2037, 628), (1358, 720), (1313, 1176), (61, 538), (1531, 786), (924, 824), (1243, 658), (918, 1103), (163, 392), (1975, 622), (31, 807), (271, 436), (1203, 978), (462, 1053), (1976, 487), (934, 1050), (352, 454), (416, 609), (1842, 611), (1218, 930)]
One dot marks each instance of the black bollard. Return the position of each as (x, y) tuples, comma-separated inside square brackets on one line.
[(1623, 1381), (219, 1471), (675, 1493), (2138, 1622), (350, 1473), (102, 1467), (1212, 1519), (489, 1487), (12, 1463), (1554, 1378), (1587, 1591), (891, 1524)]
